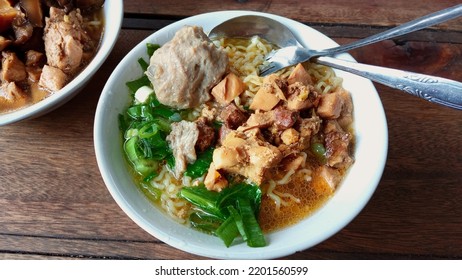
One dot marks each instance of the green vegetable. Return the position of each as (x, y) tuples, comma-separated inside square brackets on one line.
[(236, 206), (152, 193), (205, 222), (238, 220), (201, 165), (136, 84), (230, 195), (319, 151), (252, 229), (148, 130), (228, 231), (137, 157), (145, 135), (206, 200), (143, 64), (151, 48)]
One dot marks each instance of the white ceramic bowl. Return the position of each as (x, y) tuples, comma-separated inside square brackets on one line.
[(113, 15), (349, 199)]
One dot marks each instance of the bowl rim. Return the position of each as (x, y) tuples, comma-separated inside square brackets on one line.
[(269, 252), (113, 11)]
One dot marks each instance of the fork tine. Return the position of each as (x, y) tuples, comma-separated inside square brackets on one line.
[(272, 64), (278, 59), (268, 69), (270, 55)]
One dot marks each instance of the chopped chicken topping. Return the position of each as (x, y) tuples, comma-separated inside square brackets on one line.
[(330, 106), (269, 94), (214, 180), (228, 89), (299, 75), (247, 155), (290, 136), (326, 179), (52, 78), (337, 145)]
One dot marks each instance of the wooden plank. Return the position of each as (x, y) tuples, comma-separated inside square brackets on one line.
[(353, 12), (89, 249)]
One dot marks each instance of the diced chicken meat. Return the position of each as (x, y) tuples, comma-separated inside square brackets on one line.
[(182, 140), (4, 43), (214, 180), (270, 93), (64, 38), (209, 113), (299, 75), (290, 136), (326, 179), (292, 162), (13, 69), (232, 116), (228, 89), (222, 133), (11, 94), (337, 143), (302, 97), (330, 106), (206, 137), (184, 70), (279, 118), (247, 155), (259, 120), (23, 29), (35, 58), (307, 128), (52, 78), (284, 118), (346, 116), (7, 15)]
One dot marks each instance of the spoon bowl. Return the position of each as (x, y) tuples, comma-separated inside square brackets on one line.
[(252, 25)]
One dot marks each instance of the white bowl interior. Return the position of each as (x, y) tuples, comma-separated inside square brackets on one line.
[(113, 16), (349, 199)]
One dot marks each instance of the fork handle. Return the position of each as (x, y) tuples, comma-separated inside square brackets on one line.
[(434, 89), (414, 25)]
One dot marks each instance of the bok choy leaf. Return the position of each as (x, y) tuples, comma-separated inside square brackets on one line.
[(236, 206)]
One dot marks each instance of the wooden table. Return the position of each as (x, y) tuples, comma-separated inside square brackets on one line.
[(54, 204)]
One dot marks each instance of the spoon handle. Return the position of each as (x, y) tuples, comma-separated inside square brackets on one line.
[(434, 89), (414, 25)]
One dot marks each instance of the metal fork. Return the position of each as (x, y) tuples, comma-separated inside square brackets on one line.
[(291, 55)]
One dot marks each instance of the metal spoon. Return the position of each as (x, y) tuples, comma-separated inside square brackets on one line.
[(292, 55), (434, 89)]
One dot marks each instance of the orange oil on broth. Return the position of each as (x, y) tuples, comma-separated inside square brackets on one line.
[(311, 195)]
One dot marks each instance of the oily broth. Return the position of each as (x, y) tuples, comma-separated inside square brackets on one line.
[(310, 192), (309, 200)]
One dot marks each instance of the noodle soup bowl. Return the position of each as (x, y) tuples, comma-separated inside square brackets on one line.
[(350, 197), (112, 21)]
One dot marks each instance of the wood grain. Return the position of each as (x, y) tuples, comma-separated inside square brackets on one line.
[(54, 204), (333, 12)]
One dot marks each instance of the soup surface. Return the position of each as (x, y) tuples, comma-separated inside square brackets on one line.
[(235, 153), (44, 45)]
